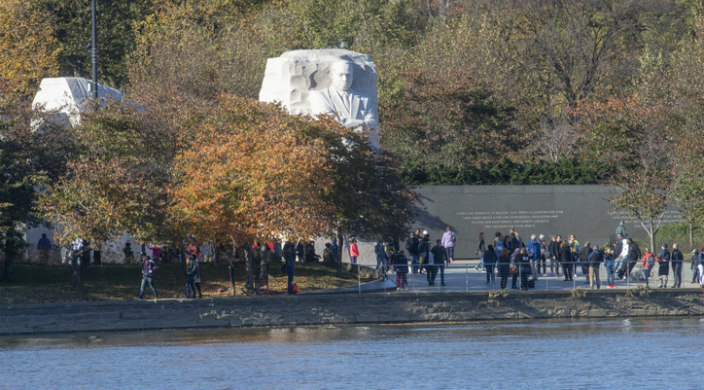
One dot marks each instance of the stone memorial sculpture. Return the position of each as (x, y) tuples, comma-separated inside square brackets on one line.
[(332, 81), (68, 97)]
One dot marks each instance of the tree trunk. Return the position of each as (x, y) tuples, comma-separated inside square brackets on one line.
[(338, 259), (264, 266), (85, 257), (216, 253), (691, 235), (651, 234), (11, 250), (76, 267), (231, 267), (250, 267), (7, 274), (231, 270)]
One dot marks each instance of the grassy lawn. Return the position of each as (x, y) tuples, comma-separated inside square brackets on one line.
[(36, 283)]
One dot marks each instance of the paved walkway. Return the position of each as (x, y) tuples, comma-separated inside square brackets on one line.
[(462, 276)]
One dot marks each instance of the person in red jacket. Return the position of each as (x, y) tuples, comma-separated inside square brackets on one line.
[(354, 251)]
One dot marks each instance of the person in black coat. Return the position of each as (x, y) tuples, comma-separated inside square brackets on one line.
[(664, 268), (565, 256), (489, 264), (504, 267), (633, 257), (554, 250), (583, 256), (289, 252), (438, 265), (677, 260)]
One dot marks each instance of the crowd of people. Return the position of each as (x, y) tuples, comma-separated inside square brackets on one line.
[(556, 256), (419, 257), (506, 257), (290, 253)]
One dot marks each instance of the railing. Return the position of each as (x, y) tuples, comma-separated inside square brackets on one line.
[(535, 280)]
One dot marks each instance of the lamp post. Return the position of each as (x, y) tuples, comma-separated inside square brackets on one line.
[(94, 52)]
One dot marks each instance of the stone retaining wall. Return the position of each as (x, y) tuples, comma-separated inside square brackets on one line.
[(342, 309)]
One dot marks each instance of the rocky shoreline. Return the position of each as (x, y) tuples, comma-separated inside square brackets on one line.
[(327, 309)]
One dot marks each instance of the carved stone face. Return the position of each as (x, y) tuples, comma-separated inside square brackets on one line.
[(341, 75)]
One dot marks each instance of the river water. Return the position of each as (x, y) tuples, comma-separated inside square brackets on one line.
[(609, 354)]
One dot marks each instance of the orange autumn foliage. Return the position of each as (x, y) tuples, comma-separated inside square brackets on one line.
[(253, 173)]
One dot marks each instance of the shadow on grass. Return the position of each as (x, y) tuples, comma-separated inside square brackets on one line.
[(37, 283)]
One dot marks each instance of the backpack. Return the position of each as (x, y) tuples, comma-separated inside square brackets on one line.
[(650, 261), (499, 247), (422, 246)]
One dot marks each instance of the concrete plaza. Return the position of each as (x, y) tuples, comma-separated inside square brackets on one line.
[(462, 276)]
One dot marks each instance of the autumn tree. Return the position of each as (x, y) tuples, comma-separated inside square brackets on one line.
[(115, 181), (635, 138), (543, 57), (359, 25), (259, 174), (17, 199), (370, 201), (29, 159), (447, 120), (683, 87), (202, 49), (256, 174), (28, 50)]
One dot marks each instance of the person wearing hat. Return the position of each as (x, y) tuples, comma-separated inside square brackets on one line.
[(621, 229), (595, 259), (664, 269), (677, 260)]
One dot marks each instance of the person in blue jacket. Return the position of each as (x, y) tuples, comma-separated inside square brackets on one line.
[(533, 248)]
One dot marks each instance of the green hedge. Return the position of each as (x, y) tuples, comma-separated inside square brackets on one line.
[(565, 171)]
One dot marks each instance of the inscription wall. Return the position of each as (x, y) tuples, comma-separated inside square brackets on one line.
[(583, 210)]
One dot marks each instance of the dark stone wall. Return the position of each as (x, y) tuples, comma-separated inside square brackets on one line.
[(548, 209), (344, 309)]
